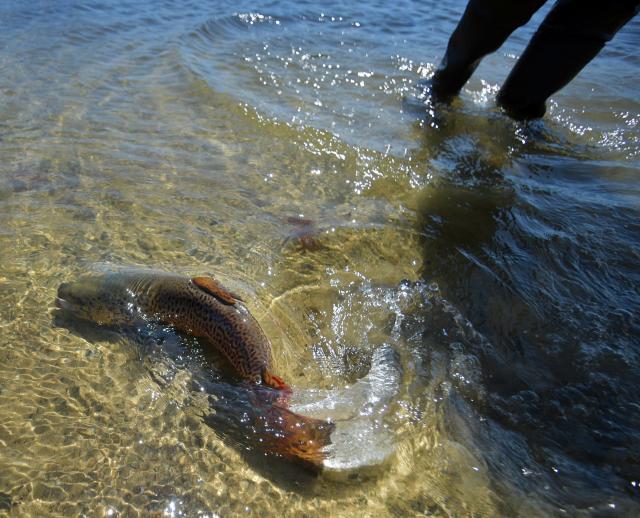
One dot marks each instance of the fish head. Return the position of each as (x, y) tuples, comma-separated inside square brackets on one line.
[(86, 298)]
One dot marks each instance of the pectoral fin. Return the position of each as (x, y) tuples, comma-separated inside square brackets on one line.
[(212, 287), (276, 382)]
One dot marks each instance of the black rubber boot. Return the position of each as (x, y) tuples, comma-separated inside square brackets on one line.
[(571, 35), (482, 29)]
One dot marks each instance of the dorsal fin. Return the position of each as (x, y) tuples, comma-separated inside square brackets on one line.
[(212, 287)]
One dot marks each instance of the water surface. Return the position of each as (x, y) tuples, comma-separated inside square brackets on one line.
[(497, 261)]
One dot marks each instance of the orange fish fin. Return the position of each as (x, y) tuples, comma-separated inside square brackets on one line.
[(273, 381), (300, 439), (212, 287)]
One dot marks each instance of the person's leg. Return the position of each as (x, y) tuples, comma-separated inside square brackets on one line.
[(482, 29), (571, 35)]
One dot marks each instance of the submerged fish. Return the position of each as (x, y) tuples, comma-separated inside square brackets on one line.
[(202, 307), (199, 306)]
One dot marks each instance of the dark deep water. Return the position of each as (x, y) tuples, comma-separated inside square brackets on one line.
[(499, 261)]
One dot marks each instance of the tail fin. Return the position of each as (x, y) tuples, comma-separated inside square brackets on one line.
[(251, 416), (295, 437)]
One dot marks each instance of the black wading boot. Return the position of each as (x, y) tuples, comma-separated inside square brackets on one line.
[(482, 29), (571, 35)]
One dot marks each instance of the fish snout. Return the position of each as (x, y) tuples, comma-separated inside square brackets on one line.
[(63, 299), (63, 290), (73, 297)]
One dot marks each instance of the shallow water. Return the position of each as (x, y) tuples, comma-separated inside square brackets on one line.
[(498, 261)]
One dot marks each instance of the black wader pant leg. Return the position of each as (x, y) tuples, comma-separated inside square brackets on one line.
[(571, 35), (482, 29)]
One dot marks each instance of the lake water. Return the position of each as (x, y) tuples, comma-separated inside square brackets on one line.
[(281, 146)]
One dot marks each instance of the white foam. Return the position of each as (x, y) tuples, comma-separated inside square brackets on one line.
[(361, 439)]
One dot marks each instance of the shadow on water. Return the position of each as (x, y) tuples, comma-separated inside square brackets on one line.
[(541, 270), (243, 416)]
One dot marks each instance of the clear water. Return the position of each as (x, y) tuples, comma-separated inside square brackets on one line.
[(499, 262)]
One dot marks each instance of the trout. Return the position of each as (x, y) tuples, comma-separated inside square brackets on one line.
[(204, 308), (198, 306)]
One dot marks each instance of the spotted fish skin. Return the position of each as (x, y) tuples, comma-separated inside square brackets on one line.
[(198, 306)]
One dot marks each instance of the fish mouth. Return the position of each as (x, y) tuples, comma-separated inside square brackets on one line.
[(64, 298), (64, 304)]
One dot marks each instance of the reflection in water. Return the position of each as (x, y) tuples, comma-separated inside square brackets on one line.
[(556, 372)]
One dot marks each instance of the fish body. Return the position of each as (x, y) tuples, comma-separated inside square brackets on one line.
[(199, 306), (202, 307)]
